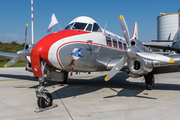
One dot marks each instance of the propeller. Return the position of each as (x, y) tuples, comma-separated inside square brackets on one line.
[(26, 35), (132, 53), (21, 54)]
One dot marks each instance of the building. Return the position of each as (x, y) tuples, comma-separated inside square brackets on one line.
[(167, 26)]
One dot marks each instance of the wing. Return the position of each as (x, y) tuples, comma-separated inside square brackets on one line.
[(9, 55), (160, 45)]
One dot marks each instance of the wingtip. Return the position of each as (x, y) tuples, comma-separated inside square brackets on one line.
[(121, 16), (5, 66), (171, 60), (106, 79)]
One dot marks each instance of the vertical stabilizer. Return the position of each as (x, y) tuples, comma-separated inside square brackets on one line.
[(177, 36), (135, 32)]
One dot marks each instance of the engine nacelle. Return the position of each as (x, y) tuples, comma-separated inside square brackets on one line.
[(139, 67), (133, 75)]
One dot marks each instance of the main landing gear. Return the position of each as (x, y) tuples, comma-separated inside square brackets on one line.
[(149, 80)]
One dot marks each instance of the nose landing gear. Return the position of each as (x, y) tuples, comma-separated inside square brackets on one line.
[(45, 100)]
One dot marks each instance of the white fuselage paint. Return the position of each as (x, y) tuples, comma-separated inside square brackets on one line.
[(96, 37)]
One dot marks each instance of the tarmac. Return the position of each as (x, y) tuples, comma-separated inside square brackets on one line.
[(89, 97)]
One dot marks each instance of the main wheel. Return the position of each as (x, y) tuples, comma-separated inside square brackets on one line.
[(42, 103), (149, 78)]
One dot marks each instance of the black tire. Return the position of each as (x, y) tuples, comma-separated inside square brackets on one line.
[(42, 103), (149, 79)]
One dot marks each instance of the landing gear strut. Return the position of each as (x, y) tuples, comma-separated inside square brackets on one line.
[(149, 79)]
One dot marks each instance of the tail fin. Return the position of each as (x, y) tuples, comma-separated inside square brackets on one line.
[(177, 35), (135, 32)]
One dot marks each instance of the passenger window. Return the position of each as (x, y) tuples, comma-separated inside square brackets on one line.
[(125, 46), (108, 41), (115, 43), (89, 27), (96, 28), (120, 45)]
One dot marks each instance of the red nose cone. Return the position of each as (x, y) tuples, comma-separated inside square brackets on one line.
[(42, 47)]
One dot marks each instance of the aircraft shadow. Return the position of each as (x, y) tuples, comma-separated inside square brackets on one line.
[(77, 87), (25, 77)]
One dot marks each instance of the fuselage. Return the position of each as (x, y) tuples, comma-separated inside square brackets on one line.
[(91, 49)]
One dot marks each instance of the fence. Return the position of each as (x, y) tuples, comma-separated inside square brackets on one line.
[(20, 40)]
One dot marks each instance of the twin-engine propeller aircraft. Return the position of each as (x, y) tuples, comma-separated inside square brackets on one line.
[(173, 45), (83, 46)]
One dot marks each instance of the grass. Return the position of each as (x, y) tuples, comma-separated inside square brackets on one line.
[(21, 64), (12, 47)]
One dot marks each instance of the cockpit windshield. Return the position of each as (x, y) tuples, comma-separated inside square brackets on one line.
[(77, 26), (84, 26), (69, 26)]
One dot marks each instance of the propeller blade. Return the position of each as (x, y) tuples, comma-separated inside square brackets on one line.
[(116, 68), (26, 35), (21, 54), (156, 57), (124, 29), (12, 61)]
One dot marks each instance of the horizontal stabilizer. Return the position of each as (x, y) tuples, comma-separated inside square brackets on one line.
[(162, 40)]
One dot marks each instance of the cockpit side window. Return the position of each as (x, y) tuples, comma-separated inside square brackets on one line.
[(79, 26), (89, 27), (96, 28), (69, 26)]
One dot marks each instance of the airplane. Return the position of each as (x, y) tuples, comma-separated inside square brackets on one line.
[(172, 45), (84, 46)]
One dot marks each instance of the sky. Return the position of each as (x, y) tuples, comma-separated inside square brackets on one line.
[(14, 14)]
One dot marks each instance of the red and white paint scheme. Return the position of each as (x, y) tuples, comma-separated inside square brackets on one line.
[(77, 34)]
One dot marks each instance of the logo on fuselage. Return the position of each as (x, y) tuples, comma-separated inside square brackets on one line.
[(76, 53)]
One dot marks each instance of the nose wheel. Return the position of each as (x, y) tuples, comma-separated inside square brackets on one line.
[(44, 103)]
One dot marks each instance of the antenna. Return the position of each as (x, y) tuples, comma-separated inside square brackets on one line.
[(179, 17), (105, 27), (32, 22)]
